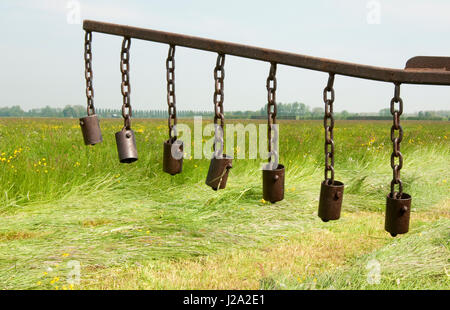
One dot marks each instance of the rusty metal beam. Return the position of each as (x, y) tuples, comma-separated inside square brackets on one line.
[(409, 76)]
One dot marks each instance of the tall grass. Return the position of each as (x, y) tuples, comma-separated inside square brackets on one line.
[(61, 201)]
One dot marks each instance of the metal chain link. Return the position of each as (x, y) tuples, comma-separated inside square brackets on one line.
[(125, 87), (271, 86), (328, 124), (171, 100), (88, 73), (219, 75), (396, 143)]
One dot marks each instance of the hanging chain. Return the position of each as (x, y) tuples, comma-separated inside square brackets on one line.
[(328, 124), (271, 85), (396, 143), (88, 73), (171, 100), (219, 75), (125, 69)]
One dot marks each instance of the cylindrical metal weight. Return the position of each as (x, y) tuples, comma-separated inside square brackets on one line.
[(273, 184), (218, 172), (90, 127), (397, 214), (173, 157), (126, 146), (330, 202)]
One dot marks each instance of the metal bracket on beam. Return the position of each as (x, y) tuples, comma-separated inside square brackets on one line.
[(428, 63)]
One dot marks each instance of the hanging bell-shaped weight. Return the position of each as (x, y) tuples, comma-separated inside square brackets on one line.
[(90, 127), (397, 214), (126, 146), (330, 202), (218, 172), (173, 157), (273, 184)]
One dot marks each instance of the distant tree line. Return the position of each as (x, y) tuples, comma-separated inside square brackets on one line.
[(423, 115), (80, 111), (298, 110), (295, 110)]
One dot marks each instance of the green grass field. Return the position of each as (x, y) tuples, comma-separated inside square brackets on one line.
[(134, 227)]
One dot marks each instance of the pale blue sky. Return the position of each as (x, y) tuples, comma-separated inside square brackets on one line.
[(42, 55)]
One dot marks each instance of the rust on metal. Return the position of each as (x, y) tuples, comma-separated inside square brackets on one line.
[(90, 125), (171, 164), (125, 139), (398, 203), (273, 184), (328, 125), (220, 164), (218, 172), (330, 202), (273, 172), (396, 140), (331, 191), (90, 128), (409, 76), (418, 70), (172, 146), (126, 146), (398, 211), (171, 99)]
